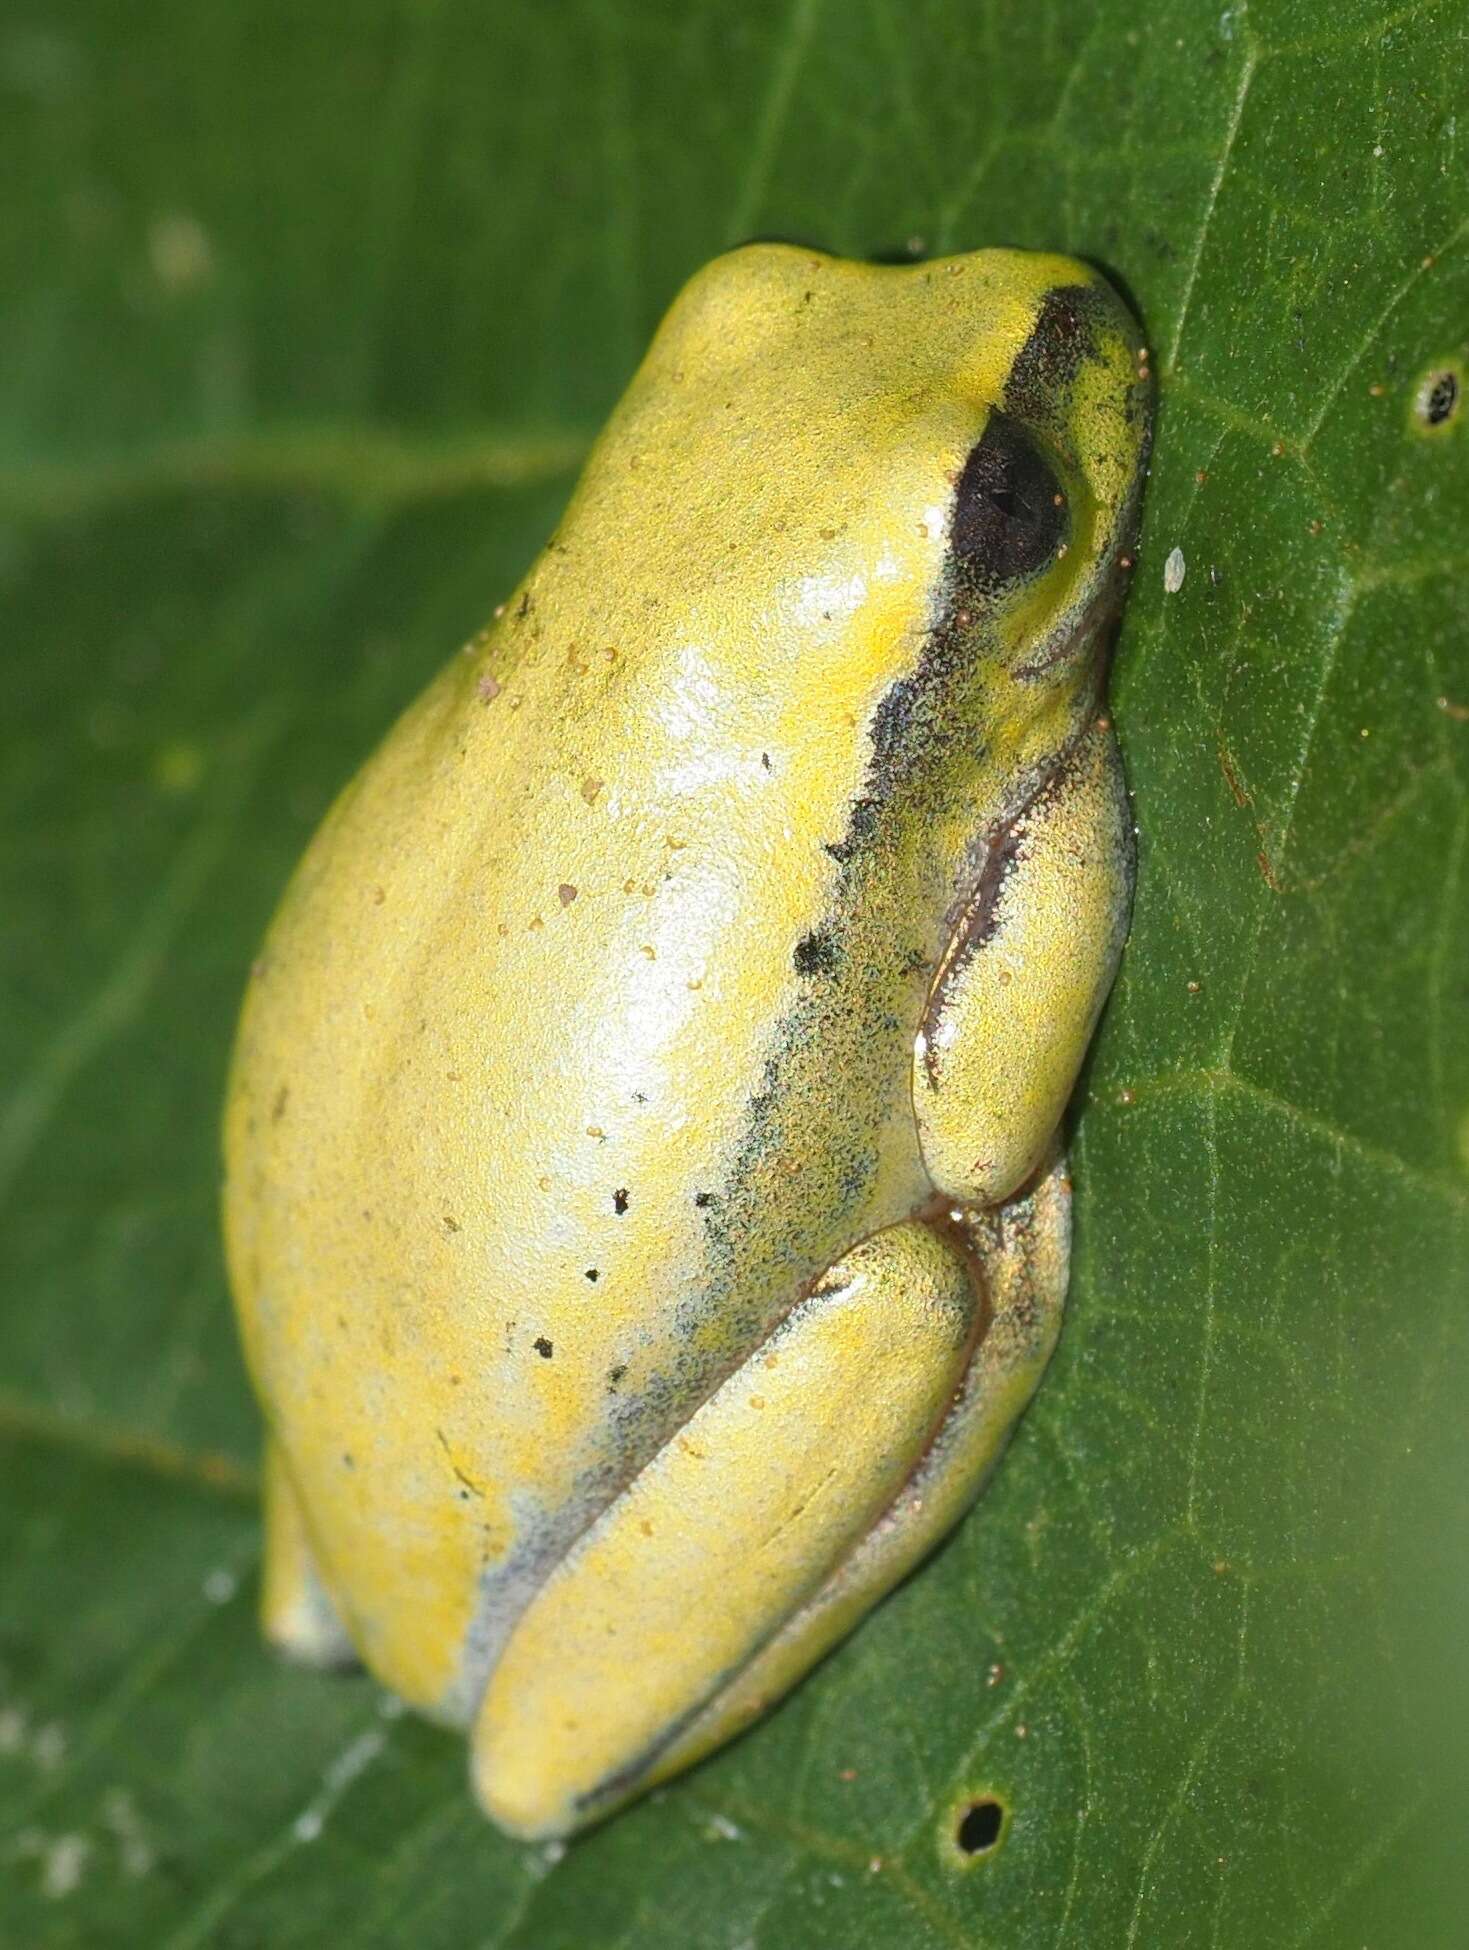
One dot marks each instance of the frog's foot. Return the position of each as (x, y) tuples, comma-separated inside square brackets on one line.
[(297, 1614), (801, 1491)]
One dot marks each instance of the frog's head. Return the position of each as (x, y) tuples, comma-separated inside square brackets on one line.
[(861, 488), (1044, 507)]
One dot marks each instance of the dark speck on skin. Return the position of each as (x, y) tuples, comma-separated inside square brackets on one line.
[(592, 1274), (614, 1375), (619, 1201), (701, 1199), (817, 954), (543, 1347)]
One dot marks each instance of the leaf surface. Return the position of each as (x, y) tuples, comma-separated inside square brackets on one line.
[(310, 316)]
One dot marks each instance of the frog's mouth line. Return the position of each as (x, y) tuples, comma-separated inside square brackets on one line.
[(1099, 615)]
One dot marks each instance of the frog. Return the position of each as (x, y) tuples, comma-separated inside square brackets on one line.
[(645, 1198)]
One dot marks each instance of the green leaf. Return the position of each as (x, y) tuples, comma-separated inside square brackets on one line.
[(310, 313)]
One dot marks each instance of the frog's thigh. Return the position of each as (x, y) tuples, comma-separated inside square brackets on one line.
[(1020, 986), (297, 1614), (1023, 1249), (735, 1525)]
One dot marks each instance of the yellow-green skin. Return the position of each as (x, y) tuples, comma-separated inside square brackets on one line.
[(643, 1198)]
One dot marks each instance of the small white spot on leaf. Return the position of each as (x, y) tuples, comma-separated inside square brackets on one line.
[(48, 1748), (220, 1585), (179, 252), (63, 1865), (121, 1819)]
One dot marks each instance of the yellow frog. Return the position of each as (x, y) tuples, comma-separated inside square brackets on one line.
[(644, 1202)]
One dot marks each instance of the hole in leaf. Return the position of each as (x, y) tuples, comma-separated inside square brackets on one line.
[(979, 1826), (1438, 398)]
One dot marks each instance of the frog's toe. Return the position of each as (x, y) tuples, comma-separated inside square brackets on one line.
[(297, 1614)]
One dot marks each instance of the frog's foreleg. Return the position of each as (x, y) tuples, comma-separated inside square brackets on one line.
[(297, 1614), (734, 1526), (1023, 979)]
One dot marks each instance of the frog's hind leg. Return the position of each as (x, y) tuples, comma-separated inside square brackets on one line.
[(297, 1614), (734, 1526), (1022, 1249)]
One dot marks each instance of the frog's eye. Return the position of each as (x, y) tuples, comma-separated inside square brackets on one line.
[(1009, 510)]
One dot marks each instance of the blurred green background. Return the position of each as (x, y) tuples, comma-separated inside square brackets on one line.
[(308, 315)]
